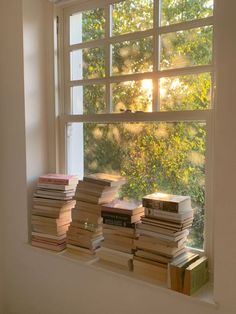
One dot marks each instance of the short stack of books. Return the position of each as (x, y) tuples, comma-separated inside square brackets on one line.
[(51, 212), (119, 220), (85, 232), (162, 233)]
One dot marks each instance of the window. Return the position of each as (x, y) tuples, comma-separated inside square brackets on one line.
[(138, 96)]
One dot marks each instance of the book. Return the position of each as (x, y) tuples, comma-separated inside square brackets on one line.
[(170, 243), (169, 216), (84, 216), (121, 231), (167, 202), (49, 246), (80, 250), (150, 270), (155, 228), (115, 257), (57, 187), (157, 248), (54, 178), (168, 237), (176, 270), (122, 217), (85, 197), (195, 276), (123, 207), (90, 207), (51, 202), (175, 226), (118, 222), (104, 179)]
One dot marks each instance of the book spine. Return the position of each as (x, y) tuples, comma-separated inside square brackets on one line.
[(54, 181), (122, 217), (160, 205), (118, 222), (161, 214)]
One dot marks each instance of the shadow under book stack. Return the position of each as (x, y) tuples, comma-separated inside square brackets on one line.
[(119, 220), (51, 212), (162, 234), (85, 232)]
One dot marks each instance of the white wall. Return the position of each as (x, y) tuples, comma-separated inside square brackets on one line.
[(37, 282)]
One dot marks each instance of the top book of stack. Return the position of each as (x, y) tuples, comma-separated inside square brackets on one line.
[(60, 179), (104, 179), (168, 202)]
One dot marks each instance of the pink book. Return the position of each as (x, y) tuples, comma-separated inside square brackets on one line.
[(55, 178)]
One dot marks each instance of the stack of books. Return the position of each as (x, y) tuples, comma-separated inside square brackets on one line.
[(85, 232), (162, 233), (51, 212), (119, 220)]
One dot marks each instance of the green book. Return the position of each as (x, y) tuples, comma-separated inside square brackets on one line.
[(196, 275), (177, 269)]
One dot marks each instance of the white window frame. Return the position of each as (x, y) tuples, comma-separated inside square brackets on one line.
[(63, 85)]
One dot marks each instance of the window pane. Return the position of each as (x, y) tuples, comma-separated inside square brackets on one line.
[(132, 95), (187, 92), (175, 11), (131, 16), (186, 48), (165, 157), (88, 99), (87, 63), (87, 25), (133, 56)]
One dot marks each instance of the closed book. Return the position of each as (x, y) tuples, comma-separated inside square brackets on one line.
[(195, 276), (169, 216), (150, 270), (118, 222), (177, 269), (57, 187), (161, 236), (85, 197), (170, 243), (167, 202), (124, 207), (55, 178), (104, 179), (80, 215), (122, 217), (158, 248)]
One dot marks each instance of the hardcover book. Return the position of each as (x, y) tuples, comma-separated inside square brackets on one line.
[(196, 275), (167, 202), (55, 178), (104, 179)]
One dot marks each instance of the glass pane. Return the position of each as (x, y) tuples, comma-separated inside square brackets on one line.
[(186, 48), (87, 25), (131, 16), (133, 56), (132, 95), (87, 63), (175, 11), (88, 99), (187, 92), (165, 157)]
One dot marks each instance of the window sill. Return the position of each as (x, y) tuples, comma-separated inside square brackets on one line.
[(203, 295)]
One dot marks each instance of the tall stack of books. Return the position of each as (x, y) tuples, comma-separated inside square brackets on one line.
[(85, 232), (51, 212), (119, 220), (162, 233)]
